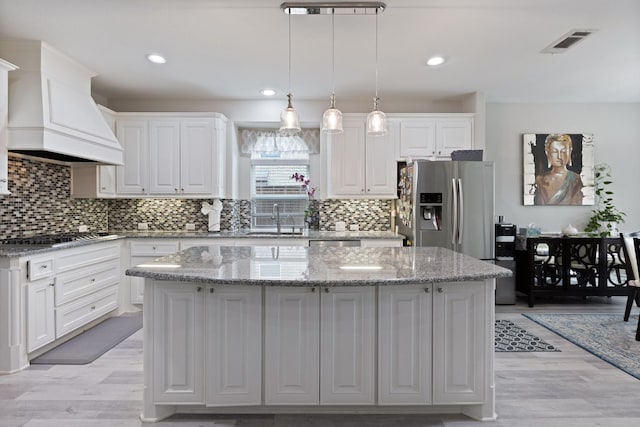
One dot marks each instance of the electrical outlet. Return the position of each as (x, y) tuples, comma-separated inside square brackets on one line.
[(143, 226), (191, 227), (354, 227), (83, 229)]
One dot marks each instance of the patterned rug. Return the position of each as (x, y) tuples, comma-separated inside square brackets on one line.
[(604, 335), (511, 337)]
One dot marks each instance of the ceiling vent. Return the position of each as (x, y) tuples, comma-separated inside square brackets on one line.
[(568, 40)]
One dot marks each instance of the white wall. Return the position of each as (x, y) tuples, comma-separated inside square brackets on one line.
[(616, 129)]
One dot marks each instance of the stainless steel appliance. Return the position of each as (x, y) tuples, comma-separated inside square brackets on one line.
[(56, 240), (448, 204)]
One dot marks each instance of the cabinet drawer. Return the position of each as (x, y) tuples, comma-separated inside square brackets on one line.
[(37, 268), (86, 255), (153, 248), (83, 281), (83, 310)]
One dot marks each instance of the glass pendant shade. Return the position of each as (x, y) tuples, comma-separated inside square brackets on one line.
[(376, 121), (332, 118), (289, 121)]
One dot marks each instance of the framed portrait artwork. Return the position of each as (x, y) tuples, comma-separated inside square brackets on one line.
[(558, 169)]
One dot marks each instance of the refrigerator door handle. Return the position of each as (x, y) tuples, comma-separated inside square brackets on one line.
[(461, 211), (454, 213)]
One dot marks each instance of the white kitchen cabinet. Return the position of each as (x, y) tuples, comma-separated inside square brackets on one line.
[(233, 324), (347, 346), (147, 250), (360, 165), (459, 340), (404, 345), (41, 327), (435, 137), (178, 343), (291, 346), (132, 178), (177, 154)]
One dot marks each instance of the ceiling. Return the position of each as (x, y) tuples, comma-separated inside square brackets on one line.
[(230, 49)]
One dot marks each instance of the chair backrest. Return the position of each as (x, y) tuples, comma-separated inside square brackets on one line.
[(630, 254)]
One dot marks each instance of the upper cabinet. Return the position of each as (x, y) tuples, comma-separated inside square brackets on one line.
[(172, 155), (360, 165), (435, 136)]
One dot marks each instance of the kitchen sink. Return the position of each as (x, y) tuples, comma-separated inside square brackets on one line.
[(274, 233)]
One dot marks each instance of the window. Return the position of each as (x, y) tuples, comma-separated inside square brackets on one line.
[(271, 184)]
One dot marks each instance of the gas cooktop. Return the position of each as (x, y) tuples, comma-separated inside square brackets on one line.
[(55, 240)]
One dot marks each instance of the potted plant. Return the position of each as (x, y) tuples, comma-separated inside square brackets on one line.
[(312, 213), (606, 217)]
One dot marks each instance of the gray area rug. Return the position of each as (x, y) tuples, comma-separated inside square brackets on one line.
[(93, 343), (510, 337), (604, 335)]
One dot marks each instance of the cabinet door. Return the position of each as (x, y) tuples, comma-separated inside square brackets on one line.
[(347, 346), (404, 345), (234, 345), (136, 290), (459, 338), (196, 156), (164, 155), (453, 134), (133, 176), (106, 181), (292, 332), (346, 160), (380, 166), (417, 138), (178, 368), (41, 328)]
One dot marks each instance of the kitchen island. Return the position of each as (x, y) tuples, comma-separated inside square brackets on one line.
[(318, 329)]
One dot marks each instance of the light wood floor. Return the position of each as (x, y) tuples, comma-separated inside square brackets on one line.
[(567, 388)]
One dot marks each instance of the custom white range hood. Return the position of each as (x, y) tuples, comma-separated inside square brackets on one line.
[(51, 112)]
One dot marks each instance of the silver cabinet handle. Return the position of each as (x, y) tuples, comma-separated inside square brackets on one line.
[(326, 290), (440, 290), (44, 266), (313, 290), (211, 290), (199, 289), (426, 290), (93, 307)]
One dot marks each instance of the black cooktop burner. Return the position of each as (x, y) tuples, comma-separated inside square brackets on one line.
[(52, 239)]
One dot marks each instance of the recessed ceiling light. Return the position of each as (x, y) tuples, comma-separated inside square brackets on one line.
[(156, 59), (268, 92), (434, 61)]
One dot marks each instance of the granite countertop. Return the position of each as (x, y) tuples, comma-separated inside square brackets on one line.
[(247, 234), (317, 266), (24, 250)]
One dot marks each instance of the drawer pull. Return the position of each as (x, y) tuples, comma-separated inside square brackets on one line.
[(326, 290), (44, 266), (426, 290), (211, 290), (93, 280), (440, 290), (52, 284), (199, 288), (93, 307), (313, 290)]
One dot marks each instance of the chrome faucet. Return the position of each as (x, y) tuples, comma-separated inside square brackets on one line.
[(275, 214)]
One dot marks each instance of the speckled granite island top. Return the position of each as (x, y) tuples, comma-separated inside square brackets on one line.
[(317, 266)]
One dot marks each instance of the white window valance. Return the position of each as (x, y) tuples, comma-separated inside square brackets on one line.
[(271, 141)]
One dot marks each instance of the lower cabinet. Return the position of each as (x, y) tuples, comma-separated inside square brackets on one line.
[(405, 345), (460, 338), (40, 313), (233, 345), (319, 346), (178, 344), (142, 251)]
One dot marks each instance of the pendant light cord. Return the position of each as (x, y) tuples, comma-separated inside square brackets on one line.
[(376, 53), (289, 52), (333, 52)]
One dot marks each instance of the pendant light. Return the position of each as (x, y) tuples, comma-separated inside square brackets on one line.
[(376, 120), (289, 121), (332, 118)]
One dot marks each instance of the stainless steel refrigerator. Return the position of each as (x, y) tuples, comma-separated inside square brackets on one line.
[(448, 204)]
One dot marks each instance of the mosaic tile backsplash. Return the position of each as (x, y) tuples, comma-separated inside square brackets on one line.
[(40, 203)]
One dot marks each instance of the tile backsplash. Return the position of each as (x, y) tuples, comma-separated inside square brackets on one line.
[(40, 203)]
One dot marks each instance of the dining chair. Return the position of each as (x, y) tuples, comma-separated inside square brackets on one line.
[(631, 268), (636, 247)]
